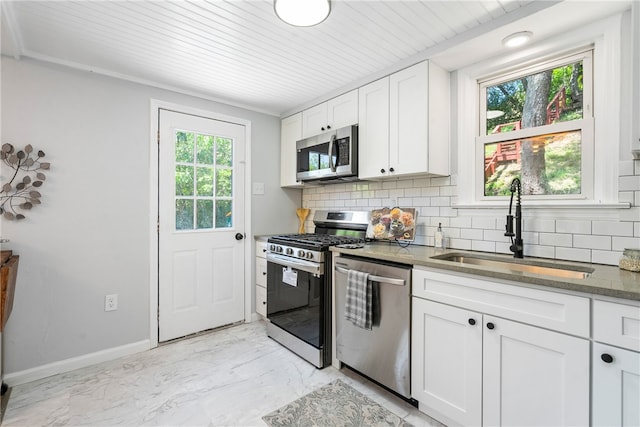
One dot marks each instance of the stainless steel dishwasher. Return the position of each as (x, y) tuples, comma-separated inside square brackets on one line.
[(383, 352)]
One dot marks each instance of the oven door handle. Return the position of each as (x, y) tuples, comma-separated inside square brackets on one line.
[(308, 266), (379, 279)]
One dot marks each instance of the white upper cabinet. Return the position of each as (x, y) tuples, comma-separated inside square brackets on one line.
[(415, 126), (373, 130), (290, 132), (336, 113)]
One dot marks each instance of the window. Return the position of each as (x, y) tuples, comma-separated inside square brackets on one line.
[(203, 176), (535, 123)]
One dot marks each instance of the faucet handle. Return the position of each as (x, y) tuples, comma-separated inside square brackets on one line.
[(509, 227)]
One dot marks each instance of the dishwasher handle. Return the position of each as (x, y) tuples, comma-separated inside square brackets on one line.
[(380, 279)]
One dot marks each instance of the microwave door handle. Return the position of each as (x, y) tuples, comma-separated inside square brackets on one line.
[(332, 165)]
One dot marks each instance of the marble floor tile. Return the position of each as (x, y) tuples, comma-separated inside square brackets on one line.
[(228, 377)]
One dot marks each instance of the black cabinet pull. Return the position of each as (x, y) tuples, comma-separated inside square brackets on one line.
[(264, 273), (322, 128), (606, 358), (391, 170), (328, 127), (382, 171), (472, 322), (490, 325)]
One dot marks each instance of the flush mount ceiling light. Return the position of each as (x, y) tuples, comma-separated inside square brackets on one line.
[(302, 13), (517, 39)]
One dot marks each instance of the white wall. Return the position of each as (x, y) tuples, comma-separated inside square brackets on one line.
[(90, 236)]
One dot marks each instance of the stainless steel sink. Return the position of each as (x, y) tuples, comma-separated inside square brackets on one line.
[(519, 265)]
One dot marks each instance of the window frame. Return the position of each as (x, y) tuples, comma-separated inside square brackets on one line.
[(585, 125), (605, 37)]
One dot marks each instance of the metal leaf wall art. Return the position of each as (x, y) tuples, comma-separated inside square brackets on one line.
[(20, 192)]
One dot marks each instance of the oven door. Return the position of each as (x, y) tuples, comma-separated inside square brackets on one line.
[(297, 298)]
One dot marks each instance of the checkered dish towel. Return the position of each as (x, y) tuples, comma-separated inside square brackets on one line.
[(358, 308)]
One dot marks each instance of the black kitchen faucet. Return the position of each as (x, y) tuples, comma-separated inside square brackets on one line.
[(517, 245)]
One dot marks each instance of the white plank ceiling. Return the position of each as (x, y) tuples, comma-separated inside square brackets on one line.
[(238, 52)]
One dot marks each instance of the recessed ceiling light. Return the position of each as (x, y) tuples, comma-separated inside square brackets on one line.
[(517, 39), (302, 13)]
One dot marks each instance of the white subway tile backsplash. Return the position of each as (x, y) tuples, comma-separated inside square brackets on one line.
[(584, 239), (612, 228), (484, 222), (573, 226), (592, 242), (460, 222), (629, 183), (539, 224), (621, 243), (471, 233), (605, 257), (431, 191), (484, 246), (556, 239), (539, 251), (573, 254)]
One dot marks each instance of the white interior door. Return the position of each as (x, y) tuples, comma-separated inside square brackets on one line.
[(201, 224)]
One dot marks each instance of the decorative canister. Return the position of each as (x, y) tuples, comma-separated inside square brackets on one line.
[(630, 260)]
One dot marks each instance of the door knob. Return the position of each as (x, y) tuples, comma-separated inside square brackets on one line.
[(239, 236)]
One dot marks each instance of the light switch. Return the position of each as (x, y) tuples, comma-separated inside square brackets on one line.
[(258, 188)]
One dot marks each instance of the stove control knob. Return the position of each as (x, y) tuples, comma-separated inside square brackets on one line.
[(309, 255), (289, 251), (301, 253), (272, 248), (278, 248)]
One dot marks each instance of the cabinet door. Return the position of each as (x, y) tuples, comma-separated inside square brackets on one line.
[(373, 137), (261, 271), (616, 386), (446, 361), (532, 376), (290, 132), (314, 120), (343, 110), (408, 120), (261, 301)]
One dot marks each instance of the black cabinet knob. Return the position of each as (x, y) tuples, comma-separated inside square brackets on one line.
[(472, 322), (264, 303), (382, 171), (321, 128), (264, 273), (606, 358), (391, 170), (328, 127), (490, 325)]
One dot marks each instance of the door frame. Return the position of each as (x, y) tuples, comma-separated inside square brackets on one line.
[(155, 106)]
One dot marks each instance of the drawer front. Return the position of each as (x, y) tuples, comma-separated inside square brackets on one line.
[(261, 249), (616, 324), (261, 301), (556, 311), (261, 271)]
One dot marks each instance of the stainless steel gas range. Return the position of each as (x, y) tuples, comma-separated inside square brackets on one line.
[(299, 283)]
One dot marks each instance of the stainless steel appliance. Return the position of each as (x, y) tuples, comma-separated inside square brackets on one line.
[(329, 156), (383, 352), (299, 283)]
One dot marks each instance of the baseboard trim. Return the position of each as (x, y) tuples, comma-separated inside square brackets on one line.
[(67, 365)]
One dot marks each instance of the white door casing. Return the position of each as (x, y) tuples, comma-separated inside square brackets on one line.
[(200, 263)]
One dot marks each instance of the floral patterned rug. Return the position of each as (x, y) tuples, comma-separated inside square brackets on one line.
[(335, 404)]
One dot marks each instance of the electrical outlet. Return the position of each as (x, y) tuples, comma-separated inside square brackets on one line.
[(111, 302)]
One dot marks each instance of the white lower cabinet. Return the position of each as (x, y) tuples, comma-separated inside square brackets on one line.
[(261, 278), (474, 368), (446, 369), (616, 370)]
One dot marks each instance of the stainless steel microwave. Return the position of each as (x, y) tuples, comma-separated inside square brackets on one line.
[(329, 156)]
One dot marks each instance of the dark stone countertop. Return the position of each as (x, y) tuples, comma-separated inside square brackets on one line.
[(605, 280)]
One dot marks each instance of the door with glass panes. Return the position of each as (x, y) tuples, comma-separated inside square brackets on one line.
[(201, 221)]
